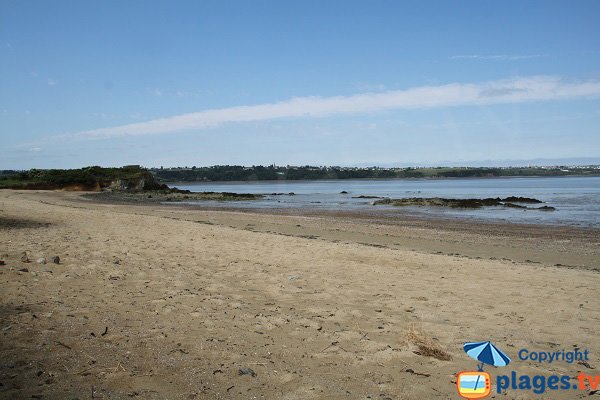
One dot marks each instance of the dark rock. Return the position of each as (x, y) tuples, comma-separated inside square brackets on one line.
[(456, 203), (343, 192), (511, 205), (515, 199), (56, 260), (545, 208), (247, 371)]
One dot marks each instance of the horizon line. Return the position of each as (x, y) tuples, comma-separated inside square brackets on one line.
[(364, 166)]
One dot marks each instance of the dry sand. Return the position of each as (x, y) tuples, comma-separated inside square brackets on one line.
[(157, 302)]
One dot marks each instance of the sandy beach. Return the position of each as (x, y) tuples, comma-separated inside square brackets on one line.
[(153, 301)]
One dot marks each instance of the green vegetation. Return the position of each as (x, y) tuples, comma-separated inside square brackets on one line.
[(134, 177), (272, 172), (90, 178)]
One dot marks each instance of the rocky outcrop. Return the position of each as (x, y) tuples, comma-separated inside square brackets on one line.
[(145, 182), (465, 203)]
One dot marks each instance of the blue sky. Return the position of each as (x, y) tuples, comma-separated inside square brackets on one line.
[(297, 82)]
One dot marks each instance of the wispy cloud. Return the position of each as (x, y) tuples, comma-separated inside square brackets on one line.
[(498, 57), (528, 89), (52, 82)]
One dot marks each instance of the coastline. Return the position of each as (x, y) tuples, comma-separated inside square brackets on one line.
[(552, 245), (424, 178), (570, 201), (155, 301)]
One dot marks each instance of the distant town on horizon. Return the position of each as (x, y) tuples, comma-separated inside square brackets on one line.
[(95, 176)]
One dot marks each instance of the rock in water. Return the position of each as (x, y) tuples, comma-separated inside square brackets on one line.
[(41, 260), (56, 260), (545, 208)]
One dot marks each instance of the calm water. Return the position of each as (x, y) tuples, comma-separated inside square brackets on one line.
[(577, 199)]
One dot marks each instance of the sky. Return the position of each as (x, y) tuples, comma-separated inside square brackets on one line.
[(183, 83)]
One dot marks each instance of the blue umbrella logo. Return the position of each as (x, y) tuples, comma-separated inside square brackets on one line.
[(486, 353)]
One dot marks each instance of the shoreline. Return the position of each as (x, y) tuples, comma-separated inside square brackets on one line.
[(545, 244), (476, 239), (566, 202), (417, 212), (371, 212)]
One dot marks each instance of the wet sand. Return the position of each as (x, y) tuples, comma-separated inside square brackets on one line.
[(157, 301)]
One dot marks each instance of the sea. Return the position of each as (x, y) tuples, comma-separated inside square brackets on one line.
[(576, 198)]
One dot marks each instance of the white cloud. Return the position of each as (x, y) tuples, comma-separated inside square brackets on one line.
[(157, 92), (499, 57), (529, 89), (52, 82)]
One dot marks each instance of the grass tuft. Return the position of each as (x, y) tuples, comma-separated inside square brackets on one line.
[(426, 345)]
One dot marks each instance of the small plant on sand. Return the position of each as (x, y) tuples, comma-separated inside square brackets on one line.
[(425, 344)]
